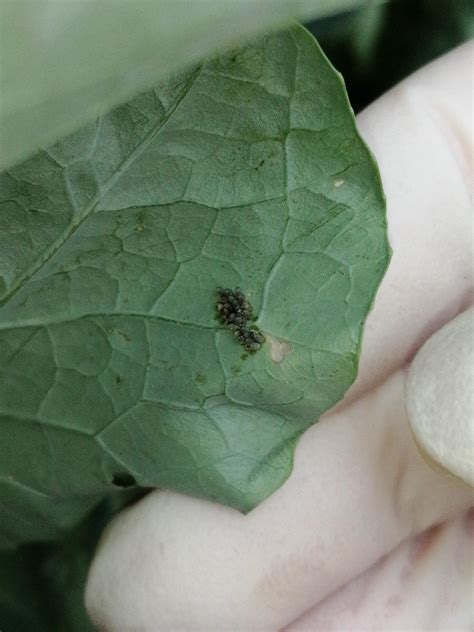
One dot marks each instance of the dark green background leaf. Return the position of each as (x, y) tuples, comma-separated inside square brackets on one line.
[(42, 584), (380, 44), (247, 171)]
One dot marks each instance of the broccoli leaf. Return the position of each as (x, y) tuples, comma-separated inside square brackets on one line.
[(247, 171)]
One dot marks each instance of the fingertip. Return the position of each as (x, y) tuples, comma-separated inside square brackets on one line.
[(439, 397)]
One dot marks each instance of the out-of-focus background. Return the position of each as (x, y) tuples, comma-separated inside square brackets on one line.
[(374, 47), (379, 44)]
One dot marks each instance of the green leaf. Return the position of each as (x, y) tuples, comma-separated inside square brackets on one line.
[(42, 584), (65, 63), (42, 587), (20, 601), (246, 172)]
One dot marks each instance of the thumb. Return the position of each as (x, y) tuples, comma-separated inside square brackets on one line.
[(439, 397)]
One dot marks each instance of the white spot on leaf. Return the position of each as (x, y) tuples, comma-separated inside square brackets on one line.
[(278, 348)]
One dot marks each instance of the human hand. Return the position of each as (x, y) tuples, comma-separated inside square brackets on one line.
[(351, 538)]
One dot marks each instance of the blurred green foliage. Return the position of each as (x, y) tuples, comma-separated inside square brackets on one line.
[(377, 46), (42, 584)]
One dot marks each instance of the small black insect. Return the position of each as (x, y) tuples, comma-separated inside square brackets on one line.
[(234, 311)]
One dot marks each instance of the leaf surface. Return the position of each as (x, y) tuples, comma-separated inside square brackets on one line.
[(247, 171), (65, 63)]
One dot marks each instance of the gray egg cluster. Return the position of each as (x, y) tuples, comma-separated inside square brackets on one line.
[(235, 311)]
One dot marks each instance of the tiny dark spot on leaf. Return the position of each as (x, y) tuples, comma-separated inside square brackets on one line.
[(123, 479), (200, 378), (118, 379), (244, 356)]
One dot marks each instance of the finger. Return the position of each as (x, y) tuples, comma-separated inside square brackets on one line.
[(358, 489), (425, 584), (421, 134), (439, 397)]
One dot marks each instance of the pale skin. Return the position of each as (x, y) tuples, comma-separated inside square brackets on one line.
[(365, 534)]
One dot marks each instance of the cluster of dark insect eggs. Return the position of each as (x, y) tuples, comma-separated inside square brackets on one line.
[(234, 311)]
